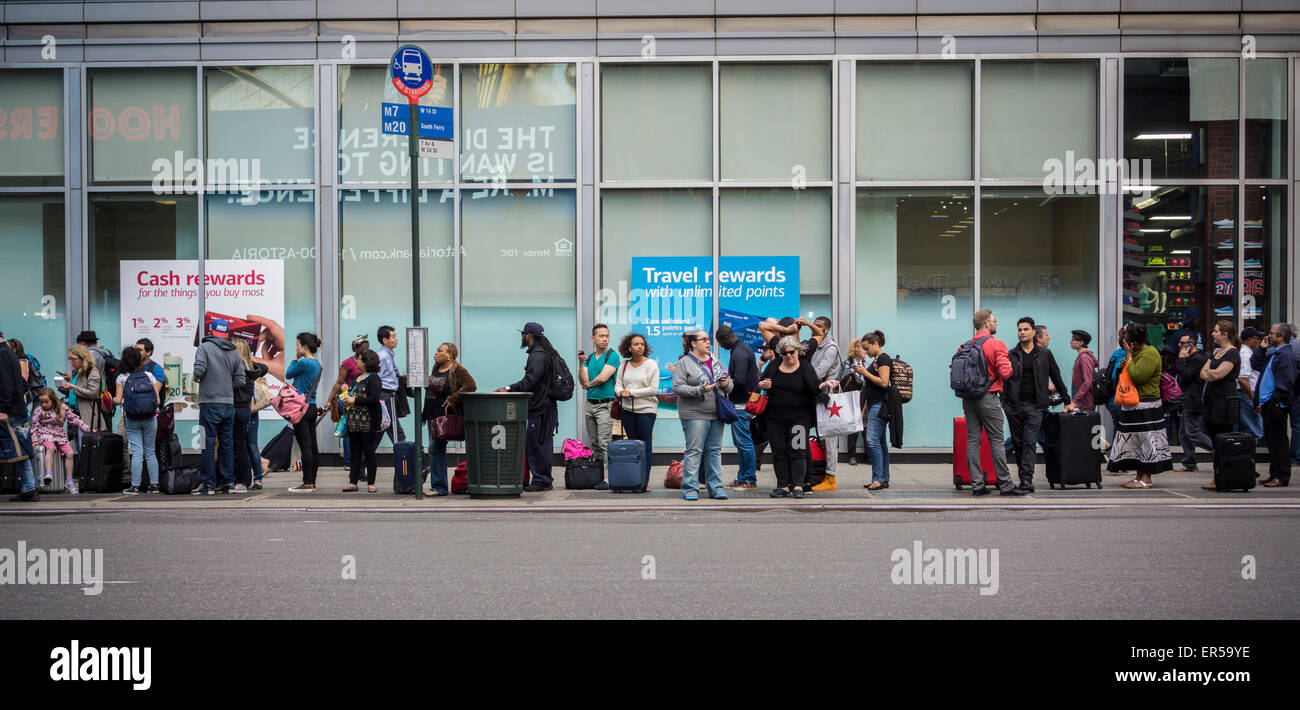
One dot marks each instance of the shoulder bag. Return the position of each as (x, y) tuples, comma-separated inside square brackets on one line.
[(616, 409), (292, 404), (726, 410)]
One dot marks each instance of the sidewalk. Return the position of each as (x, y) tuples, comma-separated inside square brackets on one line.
[(913, 487)]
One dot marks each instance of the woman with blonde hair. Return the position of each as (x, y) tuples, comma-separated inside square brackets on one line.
[(248, 458), (82, 386), (447, 382)]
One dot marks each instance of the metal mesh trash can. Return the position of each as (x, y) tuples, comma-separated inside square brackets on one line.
[(496, 430)]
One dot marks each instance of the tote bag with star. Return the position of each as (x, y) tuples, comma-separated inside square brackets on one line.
[(841, 415)]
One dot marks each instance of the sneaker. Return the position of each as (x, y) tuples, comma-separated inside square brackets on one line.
[(132, 491), (32, 496), (720, 495), (1252, 263), (744, 486), (152, 488), (238, 488), (1223, 264), (1224, 311), (303, 488), (1187, 467), (853, 461), (534, 488), (1224, 223), (204, 490), (797, 493), (71, 484), (602, 486), (49, 479), (690, 496)]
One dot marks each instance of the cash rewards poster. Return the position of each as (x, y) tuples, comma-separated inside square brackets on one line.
[(678, 293), (160, 301)]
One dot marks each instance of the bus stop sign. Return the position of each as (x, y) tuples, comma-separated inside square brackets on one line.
[(412, 72)]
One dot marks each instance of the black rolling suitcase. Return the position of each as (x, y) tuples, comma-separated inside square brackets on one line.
[(403, 467), (1234, 461), (169, 452), (99, 468), (1074, 461), (279, 450)]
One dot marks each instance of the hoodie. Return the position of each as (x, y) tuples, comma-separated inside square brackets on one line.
[(218, 370)]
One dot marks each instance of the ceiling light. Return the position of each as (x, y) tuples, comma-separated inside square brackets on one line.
[(1179, 218), (1163, 137)]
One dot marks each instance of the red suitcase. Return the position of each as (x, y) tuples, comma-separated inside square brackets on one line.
[(960, 471)]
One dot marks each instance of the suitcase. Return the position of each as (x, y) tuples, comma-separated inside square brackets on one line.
[(627, 469), (1073, 460), (170, 454), (11, 480), (279, 450), (404, 468), (178, 481), (460, 479), (960, 471), (817, 460), (1234, 461), (59, 481), (583, 473), (99, 468)]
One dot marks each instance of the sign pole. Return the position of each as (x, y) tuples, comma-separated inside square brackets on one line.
[(413, 148)]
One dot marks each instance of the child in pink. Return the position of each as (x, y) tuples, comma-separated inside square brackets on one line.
[(47, 430)]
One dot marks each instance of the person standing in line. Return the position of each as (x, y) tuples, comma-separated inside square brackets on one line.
[(13, 414), (305, 373), (218, 370), (134, 386), (1295, 398), (854, 380), (1113, 366), (248, 459), (637, 385), (984, 413), (1247, 381), (145, 346), (447, 382), (793, 390), (697, 379), (365, 422), (1034, 373), (1275, 398), (100, 355), (390, 380), (82, 390), (543, 413), (1085, 368), (876, 376), (1191, 430), (1219, 374), (349, 371), (758, 425), (744, 377), (1141, 444), (596, 376)]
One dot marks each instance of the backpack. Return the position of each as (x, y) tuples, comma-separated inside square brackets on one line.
[(35, 380), (1171, 395), (139, 400), (561, 384), (1103, 382), (969, 374), (108, 374), (900, 376)]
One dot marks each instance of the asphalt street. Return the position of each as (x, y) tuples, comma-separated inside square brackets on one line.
[(1091, 564)]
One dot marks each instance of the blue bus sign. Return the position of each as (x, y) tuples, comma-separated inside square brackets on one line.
[(411, 71)]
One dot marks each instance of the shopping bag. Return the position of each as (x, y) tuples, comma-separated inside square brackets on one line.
[(841, 415)]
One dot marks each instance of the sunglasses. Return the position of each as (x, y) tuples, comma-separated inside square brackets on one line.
[(789, 353)]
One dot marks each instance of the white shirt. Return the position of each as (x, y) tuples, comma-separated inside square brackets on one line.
[(1248, 373), (642, 382), (121, 379)]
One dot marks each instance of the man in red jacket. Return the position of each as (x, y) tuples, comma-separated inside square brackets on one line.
[(984, 414)]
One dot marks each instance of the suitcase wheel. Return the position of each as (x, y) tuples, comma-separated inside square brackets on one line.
[(1099, 485)]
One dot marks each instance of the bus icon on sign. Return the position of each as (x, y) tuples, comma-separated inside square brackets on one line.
[(411, 65)]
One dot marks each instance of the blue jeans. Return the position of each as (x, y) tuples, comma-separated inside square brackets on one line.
[(1250, 419), (1295, 436), (642, 428), (877, 446), (140, 436), (703, 455), (744, 441), (347, 453), (218, 443), (10, 449), (254, 451), (437, 463)]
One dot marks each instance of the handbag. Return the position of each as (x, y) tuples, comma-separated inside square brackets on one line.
[(673, 479), (18, 453), (726, 410), (449, 427), (616, 409), (841, 415), (292, 404), (261, 396), (1126, 394), (757, 404)]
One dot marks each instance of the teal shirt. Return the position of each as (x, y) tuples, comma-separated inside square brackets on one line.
[(596, 363)]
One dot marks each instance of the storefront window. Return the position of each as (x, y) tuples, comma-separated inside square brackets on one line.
[(31, 128), (265, 118), (668, 100), (1180, 259), (783, 222), (1038, 257), (1266, 118), (33, 309), (1033, 112), (375, 269), (900, 134), (142, 124), (520, 122), (367, 155), (775, 121), (1181, 114), (1264, 287), (915, 272), (519, 265)]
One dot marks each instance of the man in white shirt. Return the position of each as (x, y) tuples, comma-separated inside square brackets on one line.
[(388, 379), (1247, 381)]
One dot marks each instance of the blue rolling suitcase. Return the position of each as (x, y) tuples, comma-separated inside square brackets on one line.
[(627, 471), (403, 468)]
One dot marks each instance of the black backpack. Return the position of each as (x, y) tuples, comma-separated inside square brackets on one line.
[(969, 374), (35, 380), (560, 386), (1103, 385)]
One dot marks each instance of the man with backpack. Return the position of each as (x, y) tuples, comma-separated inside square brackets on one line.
[(979, 370), (548, 379), (219, 370)]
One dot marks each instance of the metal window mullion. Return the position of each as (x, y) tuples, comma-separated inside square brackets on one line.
[(328, 264), (977, 197), (1240, 310), (717, 204), (848, 184), (201, 208), (74, 289), (457, 242), (84, 248)]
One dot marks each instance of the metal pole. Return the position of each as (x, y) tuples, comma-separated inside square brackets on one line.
[(413, 147)]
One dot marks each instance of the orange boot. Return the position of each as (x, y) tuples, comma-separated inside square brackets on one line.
[(828, 484)]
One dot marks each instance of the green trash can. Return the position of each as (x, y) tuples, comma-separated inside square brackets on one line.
[(496, 429)]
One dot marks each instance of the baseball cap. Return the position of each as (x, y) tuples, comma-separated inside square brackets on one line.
[(533, 328), (221, 328), (1251, 332)]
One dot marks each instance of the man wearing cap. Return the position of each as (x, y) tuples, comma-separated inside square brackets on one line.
[(543, 414), (1085, 366), (1248, 381), (219, 370), (13, 414)]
